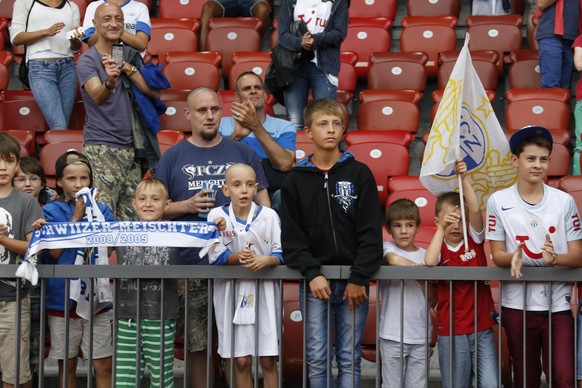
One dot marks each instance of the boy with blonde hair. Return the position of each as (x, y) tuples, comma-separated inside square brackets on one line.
[(150, 201), (330, 215)]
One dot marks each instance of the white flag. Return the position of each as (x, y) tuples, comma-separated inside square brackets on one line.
[(465, 126)]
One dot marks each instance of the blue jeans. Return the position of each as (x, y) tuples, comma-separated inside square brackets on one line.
[(309, 76), (556, 62), (318, 367), (463, 353), (54, 86)]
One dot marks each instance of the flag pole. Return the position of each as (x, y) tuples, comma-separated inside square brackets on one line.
[(458, 151), (463, 217)]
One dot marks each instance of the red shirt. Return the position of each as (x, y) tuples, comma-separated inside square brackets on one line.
[(464, 294)]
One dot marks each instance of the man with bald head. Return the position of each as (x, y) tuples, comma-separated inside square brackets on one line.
[(194, 171), (108, 132)]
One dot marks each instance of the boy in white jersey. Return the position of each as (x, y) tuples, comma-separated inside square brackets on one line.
[(251, 235), (533, 224), (403, 221)]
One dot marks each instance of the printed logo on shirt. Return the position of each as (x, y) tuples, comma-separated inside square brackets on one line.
[(576, 222), (345, 195), (311, 19), (533, 223), (525, 248), (5, 219), (491, 223), (210, 173)]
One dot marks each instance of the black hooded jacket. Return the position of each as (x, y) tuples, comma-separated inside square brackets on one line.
[(332, 218)]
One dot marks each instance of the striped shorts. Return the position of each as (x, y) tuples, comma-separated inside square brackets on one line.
[(126, 352)]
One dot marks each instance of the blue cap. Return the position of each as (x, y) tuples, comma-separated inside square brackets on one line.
[(529, 132)]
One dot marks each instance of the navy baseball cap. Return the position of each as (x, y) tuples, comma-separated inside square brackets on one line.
[(529, 132)]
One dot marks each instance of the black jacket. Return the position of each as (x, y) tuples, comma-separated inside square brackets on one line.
[(332, 218), (327, 43)]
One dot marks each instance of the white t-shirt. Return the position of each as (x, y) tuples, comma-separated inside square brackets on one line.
[(135, 14), (315, 14), (414, 303), (41, 17), (512, 220), (264, 231)]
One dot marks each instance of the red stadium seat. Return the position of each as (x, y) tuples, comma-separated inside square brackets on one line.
[(243, 22), (243, 61), (303, 146), (403, 138), (6, 8), (525, 69), (373, 153), (49, 154), (166, 39), (484, 62), (365, 40), (348, 77), (369, 95), (15, 94), (4, 77), (383, 23), (559, 164), (373, 9), (389, 115), (550, 113), (188, 70), (227, 40), (22, 114), (499, 33), (82, 4), (174, 118), (557, 94), (410, 187), (25, 139), (431, 35), (572, 184), (397, 71), (78, 116), (189, 24), (6, 57), (433, 7), (177, 9), (167, 139), (63, 136)]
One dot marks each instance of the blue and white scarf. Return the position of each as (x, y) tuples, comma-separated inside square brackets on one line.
[(100, 234)]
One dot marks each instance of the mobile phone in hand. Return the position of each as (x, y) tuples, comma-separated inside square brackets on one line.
[(117, 54)]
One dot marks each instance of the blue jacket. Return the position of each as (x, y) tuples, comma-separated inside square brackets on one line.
[(147, 149), (151, 109), (61, 211), (327, 43)]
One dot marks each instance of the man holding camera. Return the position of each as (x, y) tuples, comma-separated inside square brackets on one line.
[(108, 136)]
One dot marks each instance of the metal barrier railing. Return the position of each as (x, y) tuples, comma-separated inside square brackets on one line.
[(282, 274)]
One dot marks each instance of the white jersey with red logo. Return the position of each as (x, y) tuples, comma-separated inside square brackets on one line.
[(511, 219)]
